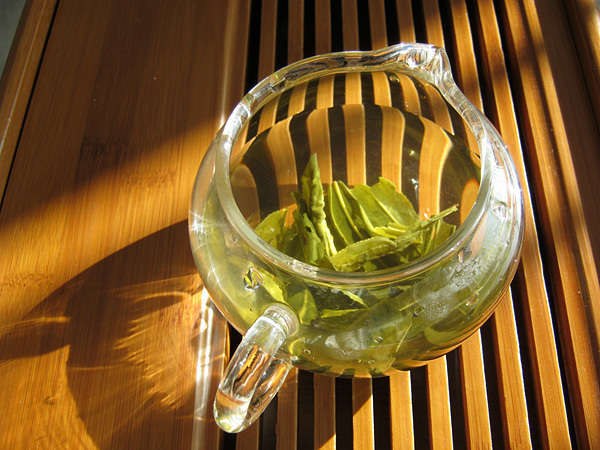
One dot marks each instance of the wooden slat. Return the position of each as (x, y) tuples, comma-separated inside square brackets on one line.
[(235, 56), (435, 148), (502, 113), (438, 396), (401, 417), (322, 27), (440, 427), (317, 125), (287, 398), (585, 27), (287, 412), (377, 24), (362, 414), (268, 26), (433, 23), (565, 226), (267, 115), (249, 438), (295, 30), (350, 25), (354, 123), (477, 421), (297, 98), (18, 77), (319, 141), (324, 388), (281, 149), (381, 89), (513, 407), (401, 412), (466, 64), (392, 136), (353, 89), (405, 21)]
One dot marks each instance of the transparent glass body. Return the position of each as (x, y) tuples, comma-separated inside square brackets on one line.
[(395, 113)]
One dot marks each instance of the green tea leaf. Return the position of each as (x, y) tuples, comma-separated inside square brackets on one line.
[(396, 205), (357, 214), (327, 313), (446, 212), (391, 230), (337, 320), (351, 210), (312, 194), (273, 285), (271, 228), (312, 247), (443, 232), (435, 231), (372, 212), (290, 243), (355, 297), (303, 303), (338, 220), (355, 255)]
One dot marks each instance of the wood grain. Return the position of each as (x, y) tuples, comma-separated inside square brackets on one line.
[(362, 414), (287, 412), (350, 25), (440, 427), (268, 26), (502, 112), (405, 21), (401, 417), (322, 26), (19, 75), (99, 296), (566, 227), (100, 303), (324, 387), (477, 420), (377, 24), (249, 438), (295, 30), (585, 27), (438, 396), (392, 137)]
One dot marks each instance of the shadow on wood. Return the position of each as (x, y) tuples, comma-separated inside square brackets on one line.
[(121, 339)]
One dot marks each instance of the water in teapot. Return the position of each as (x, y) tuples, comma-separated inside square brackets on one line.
[(361, 126)]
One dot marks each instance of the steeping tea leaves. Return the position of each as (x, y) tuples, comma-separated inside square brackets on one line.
[(362, 228)]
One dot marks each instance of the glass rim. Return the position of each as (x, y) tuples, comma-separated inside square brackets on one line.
[(422, 61)]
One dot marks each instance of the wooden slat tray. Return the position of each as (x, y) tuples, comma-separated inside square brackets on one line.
[(107, 339)]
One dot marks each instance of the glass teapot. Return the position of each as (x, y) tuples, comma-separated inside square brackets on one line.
[(396, 113)]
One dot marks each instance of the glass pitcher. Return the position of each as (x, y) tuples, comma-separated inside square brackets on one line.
[(396, 113)]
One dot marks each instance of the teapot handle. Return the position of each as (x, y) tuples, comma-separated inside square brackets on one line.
[(255, 374)]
